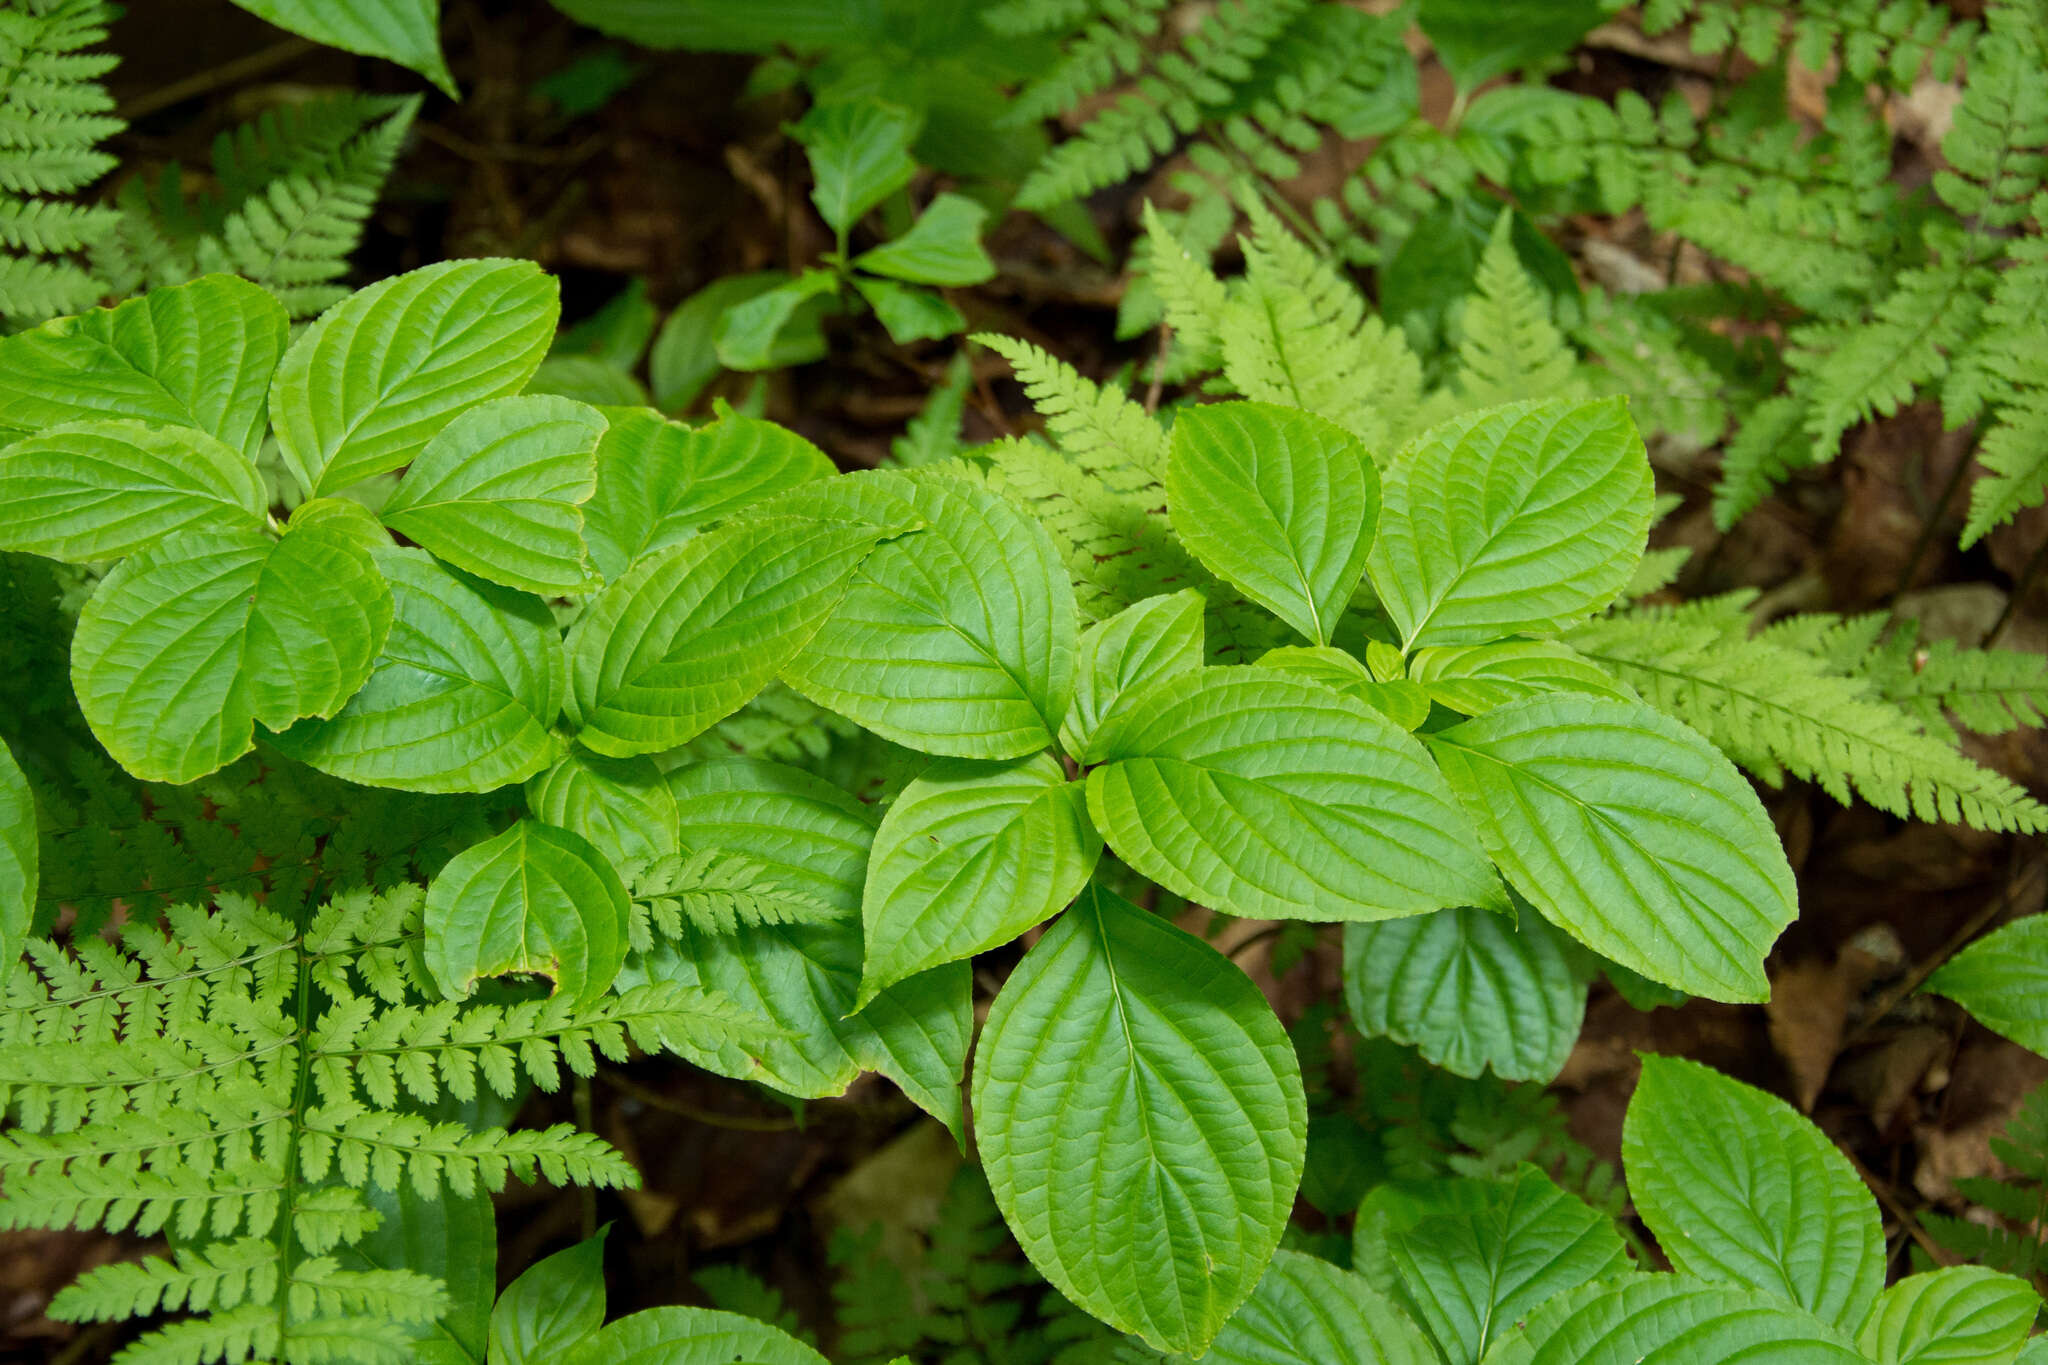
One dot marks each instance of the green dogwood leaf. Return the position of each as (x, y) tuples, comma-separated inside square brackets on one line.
[(1146, 641), (18, 854), (2002, 980), (659, 482), (804, 978), (381, 372), (1630, 832), (1308, 1312), (691, 1336), (1474, 679), (968, 857), (186, 647), (956, 641), (453, 1238), (1279, 503), (1671, 1320), (403, 31), (691, 634), (1470, 989), (1472, 1257), (554, 1304), (1769, 1204), (1958, 1315), (197, 355), (1400, 701), (623, 806), (1521, 518), (463, 697), (100, 490), (1160, 1213), (534, 900), (1272, 797), (942, 247), (496, 492)]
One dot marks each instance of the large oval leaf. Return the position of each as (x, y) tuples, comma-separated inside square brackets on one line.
[(387, 367), (1672, 1320), (497, 490), (1277, 502), (196, 355), (1144, 643), (692, 1336), (1160, 1212), (623, 806), (659, 481), (969, 856), (959, 640), (462, 698), (1766, 1202), (402, 31), (1521, 518), (101, 490), (1470, 989), (1469, 1258), (1630, 832), (185, 647), (804, 978), (693, 633), (534, 900), (1958, 1315), (1308, 1312), (2002, 980), (18, 854), (1271, 797)]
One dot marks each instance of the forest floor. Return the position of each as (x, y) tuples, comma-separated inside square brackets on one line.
[(675, 182)]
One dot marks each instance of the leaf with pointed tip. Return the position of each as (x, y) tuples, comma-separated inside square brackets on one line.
[(623, 806), (453, 1238), (186, 647), (2002, 980), (402, 31), (1492, 1252), (1399, 700), (553, 1306), (909, 312), (860, 155), (381, 372), (659, 482), (1671, 1320), (968, 857), (692, 1336), (100, 490), (778, 327), (463, 697), (1958, 1315), (1278, 503), (1630, 832), (18, 853), (804, 978), (496, 492), (534, 900), (1769, 1203), (1525, 517), (1474, 679), (1470, 989), (958, 640), (1159, 1214), (692, 633), (197, 355), (942, 247), (1146, 641), (1308, 1312), (1276, 798)]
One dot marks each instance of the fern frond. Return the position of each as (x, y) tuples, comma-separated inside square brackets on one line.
[(1113, 45), (2014, 454), (1096, 427), (1674, 393), (1777, 711), (1192, 299), (716, 893), (201, 1279), (1891, 39), (1997, 148), (1509, 349), (1301, 336), (1771, 443), (1990, 691)]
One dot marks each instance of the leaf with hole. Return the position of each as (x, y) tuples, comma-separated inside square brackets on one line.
[(1278, 503), (1630, 832), (1159, 1214), (498, 492), (1275, 798)]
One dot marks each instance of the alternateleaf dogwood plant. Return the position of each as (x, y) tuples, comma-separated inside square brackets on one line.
[(1413, 740)]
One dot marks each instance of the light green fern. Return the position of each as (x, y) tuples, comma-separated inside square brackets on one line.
[(714, 893)]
